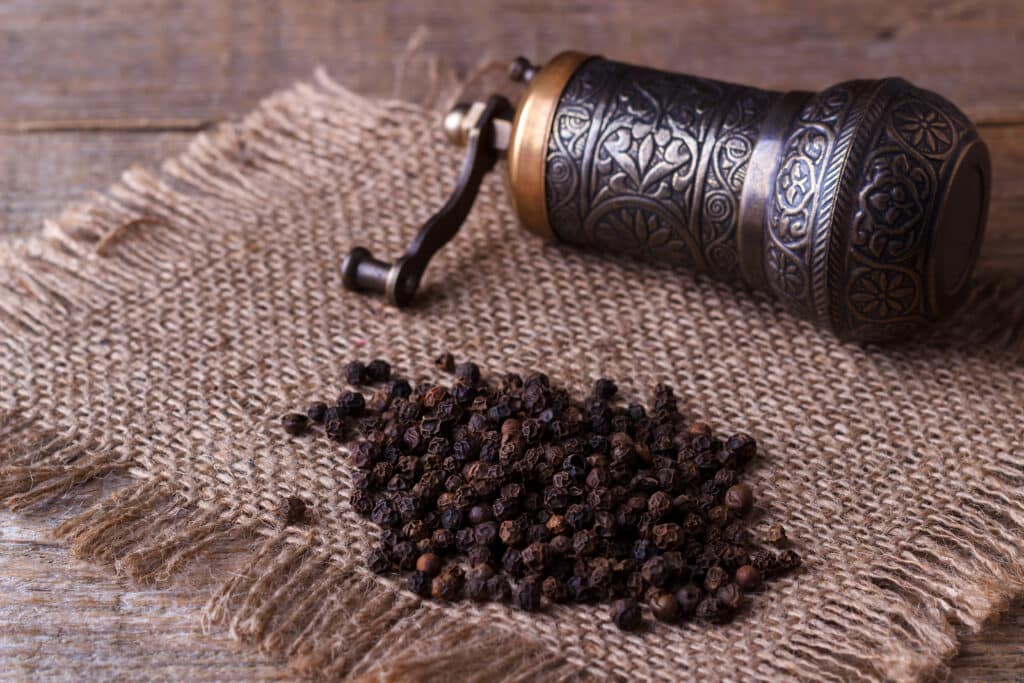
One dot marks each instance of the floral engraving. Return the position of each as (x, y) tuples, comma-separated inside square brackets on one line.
[(650, 163), (891, 213), (880, 294), (924, 127)]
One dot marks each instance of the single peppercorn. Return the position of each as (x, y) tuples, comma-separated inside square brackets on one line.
[(537, 557), (788, 560), (605, 389), (317, 411), (355, 373), (714, 578), (477, 589), (420, 584), (499, 589), (398, 389), (480, 513), (378, 562), (429, 564), (776, 535), (445, 362), (625, 614), (351, 403), (664, 607), (295, 423), (748, 577), (709, 610), (656, 571), (527, 593), (448, 584), (467, 371), (378, 371), (729, 597), (739, 498), (555, 590), (689, 597)]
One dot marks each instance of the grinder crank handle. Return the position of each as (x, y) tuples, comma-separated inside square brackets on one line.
[(484, 139)]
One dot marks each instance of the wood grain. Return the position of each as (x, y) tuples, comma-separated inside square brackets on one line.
[(88, 89)]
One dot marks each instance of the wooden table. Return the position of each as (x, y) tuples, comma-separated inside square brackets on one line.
[(90, 88)]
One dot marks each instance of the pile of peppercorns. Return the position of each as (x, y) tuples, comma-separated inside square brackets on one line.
[(515, 492)]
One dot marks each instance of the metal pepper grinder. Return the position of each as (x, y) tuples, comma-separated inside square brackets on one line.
[(861, 206)]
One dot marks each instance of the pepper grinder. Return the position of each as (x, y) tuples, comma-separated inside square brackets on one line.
[(861, 207)]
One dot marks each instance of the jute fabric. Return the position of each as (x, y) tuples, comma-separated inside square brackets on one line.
[(161, 329)]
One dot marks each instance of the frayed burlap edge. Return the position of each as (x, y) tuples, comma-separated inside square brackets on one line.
[(329, 617)]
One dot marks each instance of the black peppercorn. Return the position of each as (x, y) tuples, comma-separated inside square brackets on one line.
[(512, 532), (420, 584), (729, 597), (776, 535), (378, 371), (448, 584), (605, 389), (317, 411), (351, 403), (499, 589), (452, 519), (445, 362), (295, 511), (480, 513), (714, 578), (378, 562), (467, 371), (739, 498), (398, 389), (486, 533), (665, 607), (743, 447), (625, 614), (656, 571), (708, 610), (561, 545), (443, 539), (361, 502), (429, 564), (748, 577), (465, 539), (526, 595), (689, 597), (479, 555), (513, 563), (295, 423), (667, 536), (537, 557), (579, 516), (788, 560), (355, 373), (555, 590), (584, 543), (335, 429), (384, 513), (477, 589)]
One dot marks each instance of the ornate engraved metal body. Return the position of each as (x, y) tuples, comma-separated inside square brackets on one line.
[(844, 219), (862, 206)]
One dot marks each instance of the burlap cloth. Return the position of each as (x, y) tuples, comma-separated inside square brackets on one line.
[(163, 328)]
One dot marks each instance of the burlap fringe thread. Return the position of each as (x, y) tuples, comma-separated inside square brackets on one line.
[(327, 615)]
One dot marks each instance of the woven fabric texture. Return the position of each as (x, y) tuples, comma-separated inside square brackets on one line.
[(161, 330)]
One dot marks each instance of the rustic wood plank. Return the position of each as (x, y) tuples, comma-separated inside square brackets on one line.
[(41, 173), (163, 60), (66, 620)]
